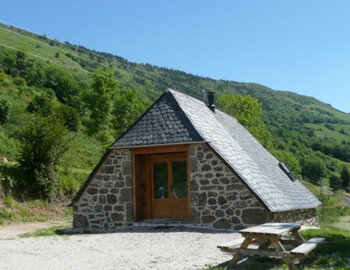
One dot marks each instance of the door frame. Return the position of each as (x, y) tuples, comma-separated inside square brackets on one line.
[(168, 149)]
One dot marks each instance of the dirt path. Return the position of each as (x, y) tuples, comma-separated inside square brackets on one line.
[(13, 231)]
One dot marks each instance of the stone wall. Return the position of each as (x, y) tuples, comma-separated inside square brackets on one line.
[(218, 198), (306, 217), (107, 202)]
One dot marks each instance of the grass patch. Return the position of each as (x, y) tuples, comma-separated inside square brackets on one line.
[(56, 230), (12, 210)]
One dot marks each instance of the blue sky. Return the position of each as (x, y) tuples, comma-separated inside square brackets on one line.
[(299, 46)]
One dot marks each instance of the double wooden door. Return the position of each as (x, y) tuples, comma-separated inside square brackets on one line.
[(169, 186)]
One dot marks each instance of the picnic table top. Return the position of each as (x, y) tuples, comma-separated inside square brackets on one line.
[(273, 229)]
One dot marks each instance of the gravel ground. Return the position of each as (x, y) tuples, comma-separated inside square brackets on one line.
[(137, 248)]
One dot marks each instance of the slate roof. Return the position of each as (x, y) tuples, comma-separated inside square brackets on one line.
[(164, 123), (247, 157)]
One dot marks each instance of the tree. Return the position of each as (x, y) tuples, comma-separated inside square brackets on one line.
[(335, 183), (105, 87), (128, 107), (41, 105), (57, 54), (345, 177), (62, 83), (5, 111), (70, 117), (248, 111), (313, 169), (44, 141)]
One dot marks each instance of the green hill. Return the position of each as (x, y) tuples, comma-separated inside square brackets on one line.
[(33, 65)]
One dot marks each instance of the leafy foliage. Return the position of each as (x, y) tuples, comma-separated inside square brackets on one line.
[(128, 106), (41, 105), (313, 169), (4, 111), (335, 183), (44, 142), (248, 111), (105, 87), (345, 177)]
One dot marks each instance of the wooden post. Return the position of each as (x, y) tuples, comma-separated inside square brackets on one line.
[(288, 261), (133, 164), (238, 256)]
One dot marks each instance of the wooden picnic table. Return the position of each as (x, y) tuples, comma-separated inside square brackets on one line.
[(265, 235)]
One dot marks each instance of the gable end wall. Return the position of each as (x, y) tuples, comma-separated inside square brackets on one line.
[(107, 202), (219, 199)]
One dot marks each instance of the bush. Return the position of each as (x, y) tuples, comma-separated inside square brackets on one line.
[(345, 177), (4, 111), (41, 105), (62, 83), (2, 76), (7, 179), (70, 117), (313, 169), (335, 183), (44, 142)]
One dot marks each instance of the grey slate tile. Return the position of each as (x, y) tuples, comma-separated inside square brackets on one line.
[(163, 123), (247, 157)]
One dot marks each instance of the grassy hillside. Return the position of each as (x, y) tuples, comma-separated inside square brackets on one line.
[(300, 125)]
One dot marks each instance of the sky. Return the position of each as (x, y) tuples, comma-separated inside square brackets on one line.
[(299, 46)]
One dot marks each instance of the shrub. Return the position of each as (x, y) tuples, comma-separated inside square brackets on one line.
[(44, 142), (313, 169), (41, 105), (345, 177), (4, 111), (335, 183), (70, 117)]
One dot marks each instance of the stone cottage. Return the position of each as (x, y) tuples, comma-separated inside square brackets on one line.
[(185, 160)]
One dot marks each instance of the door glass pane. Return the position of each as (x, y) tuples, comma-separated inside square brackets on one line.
[(179, 187), (160, 172)]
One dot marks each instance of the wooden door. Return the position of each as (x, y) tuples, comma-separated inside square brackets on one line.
[(169, 186)]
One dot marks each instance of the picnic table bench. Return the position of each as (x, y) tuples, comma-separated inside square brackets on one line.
[(257, 240)]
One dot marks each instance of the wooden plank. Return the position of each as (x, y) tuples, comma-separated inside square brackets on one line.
[(134, 209), (298, 236), (291, 242), (232, 244), (271, 228), (278, 246), (161, 149), (238, 256), (260, 236), (263, 253), (188, 183), (308, 246)]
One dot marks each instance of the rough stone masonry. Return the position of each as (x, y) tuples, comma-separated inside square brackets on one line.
[(219, 199)]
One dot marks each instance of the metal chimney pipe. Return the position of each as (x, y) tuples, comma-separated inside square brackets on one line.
[(211, 101)]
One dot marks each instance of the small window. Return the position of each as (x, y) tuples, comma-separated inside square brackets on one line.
[(287, 171)]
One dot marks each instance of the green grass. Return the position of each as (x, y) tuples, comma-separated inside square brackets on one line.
[(12, 211), (56, 230), (321, 131)]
